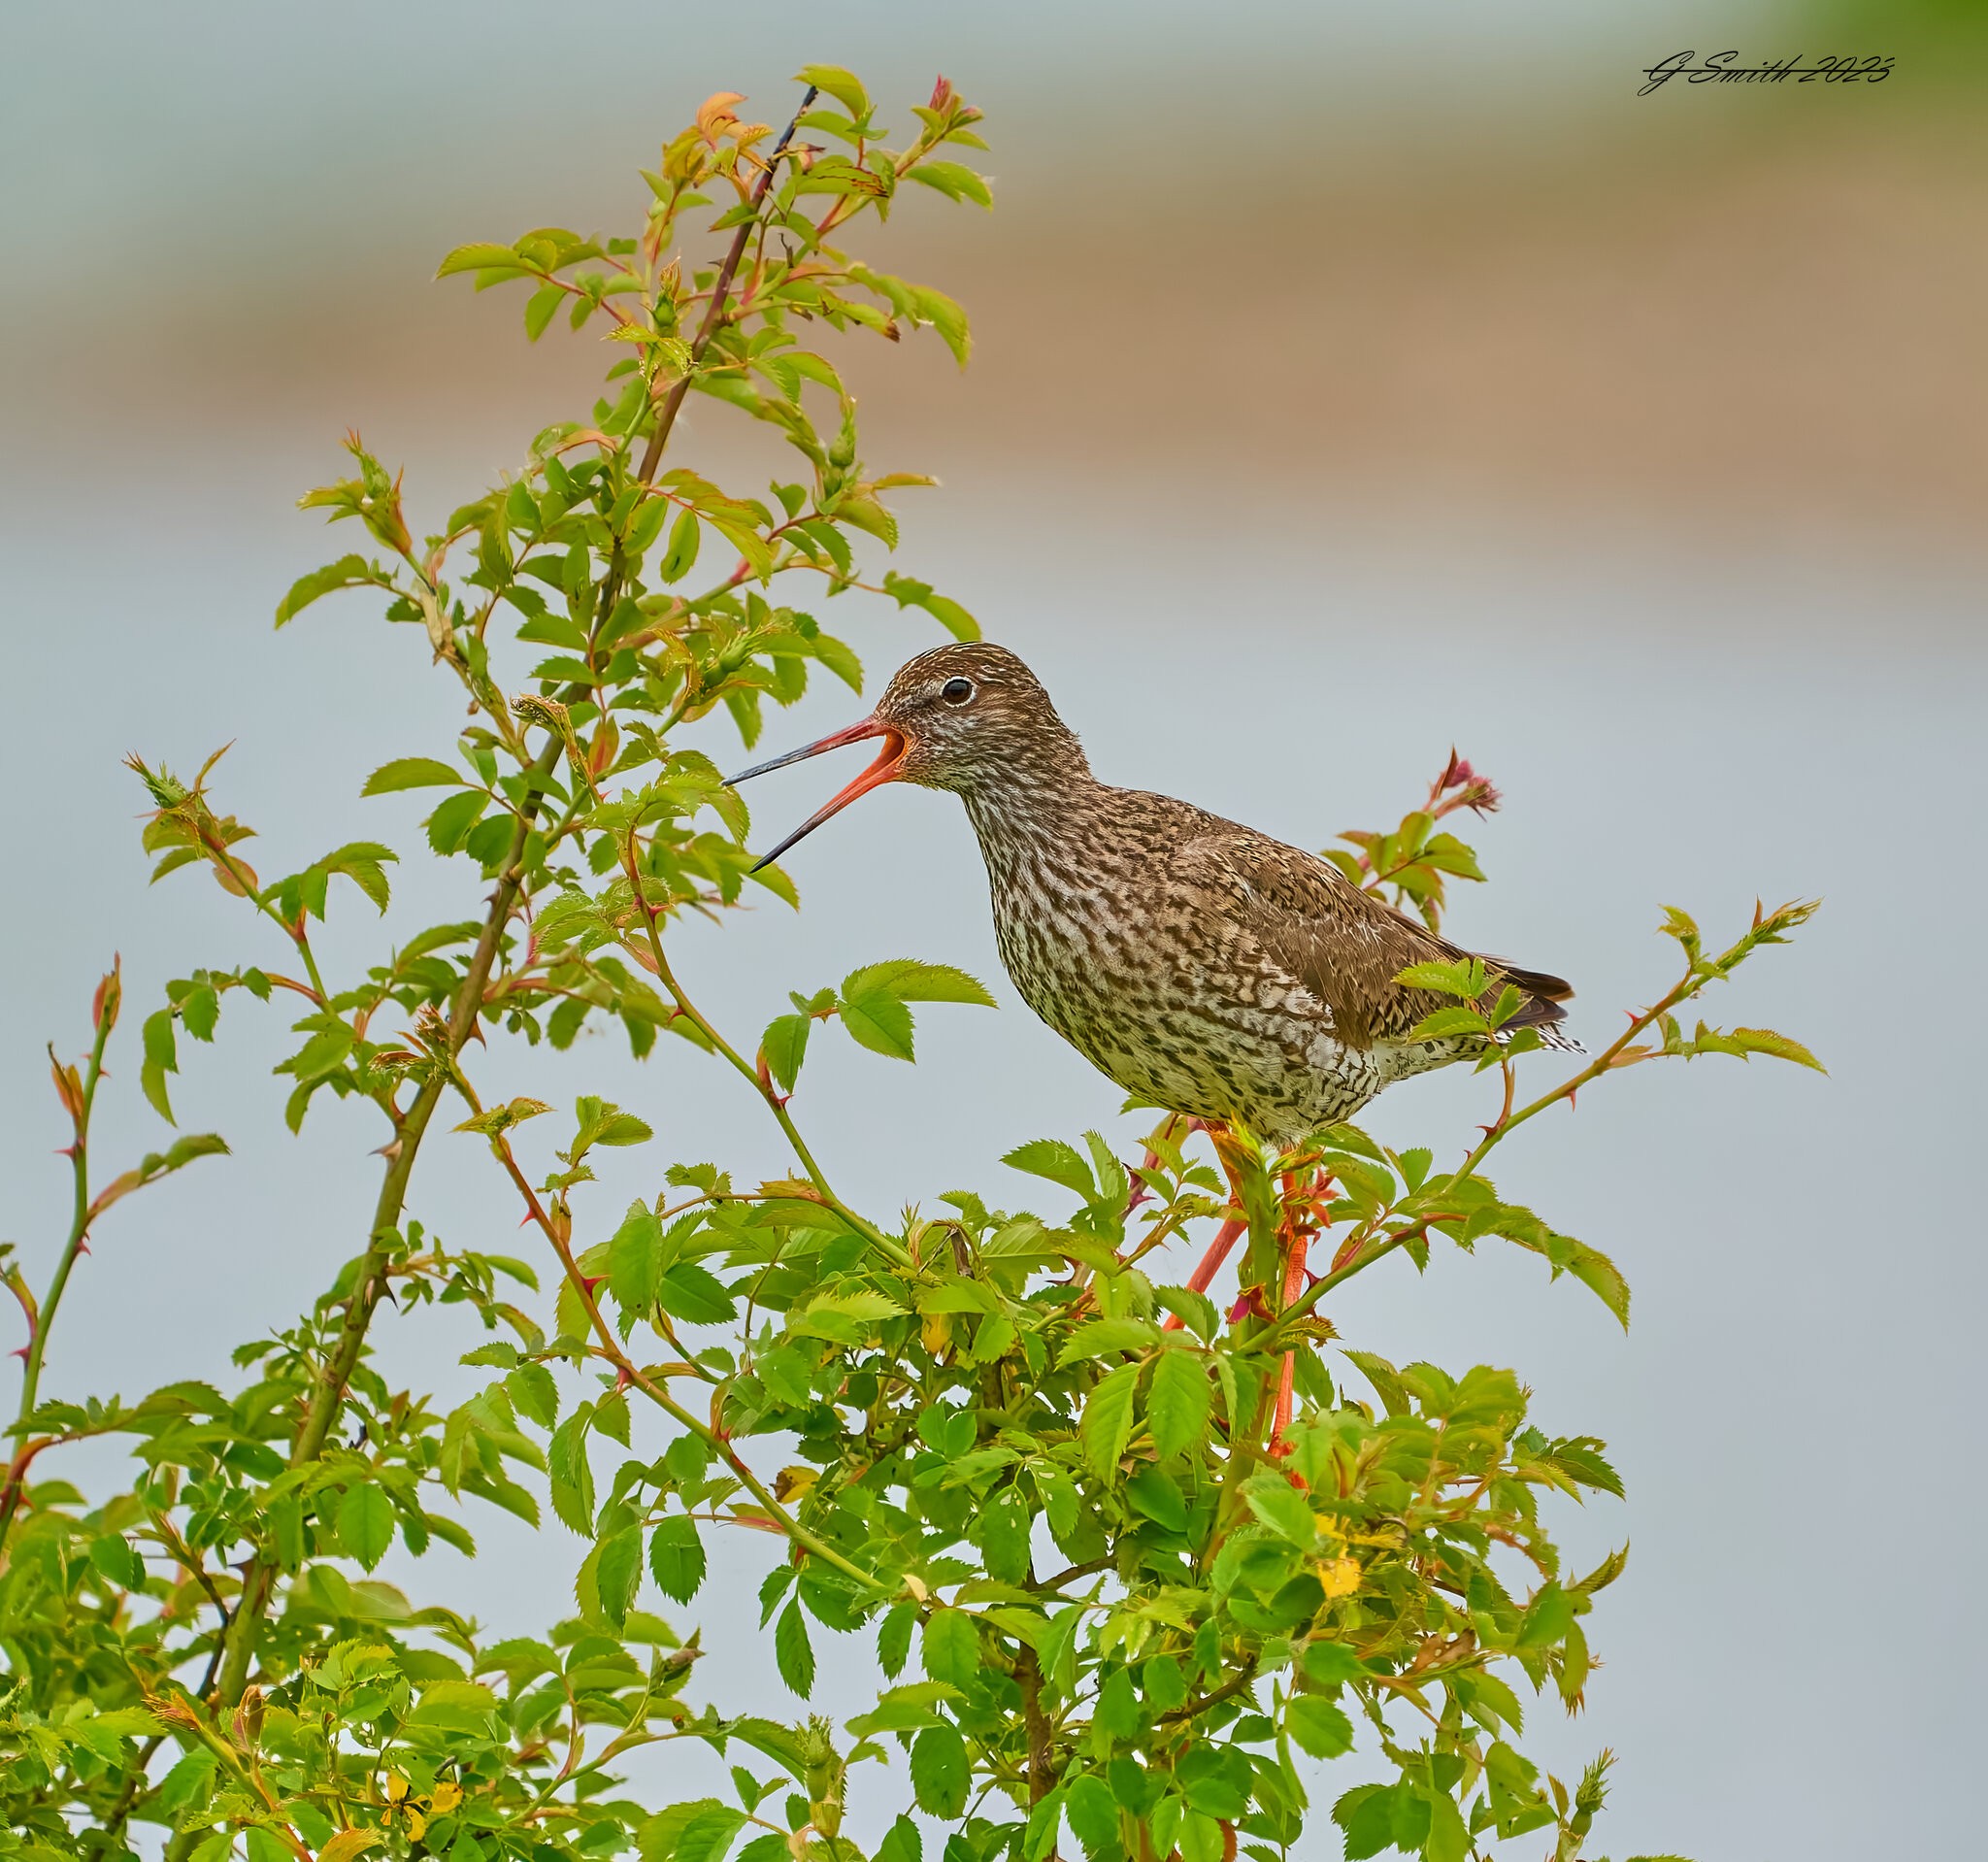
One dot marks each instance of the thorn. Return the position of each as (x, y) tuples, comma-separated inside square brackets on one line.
[(20, 1352)]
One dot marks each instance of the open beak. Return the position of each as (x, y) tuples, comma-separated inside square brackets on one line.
[(878, 773)]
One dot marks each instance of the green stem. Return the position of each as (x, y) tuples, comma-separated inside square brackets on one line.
[(896, 1252), (44, 1317), (327, 1398), (657, 1393)]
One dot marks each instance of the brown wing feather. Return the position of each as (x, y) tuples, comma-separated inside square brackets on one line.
[(1346, 946)]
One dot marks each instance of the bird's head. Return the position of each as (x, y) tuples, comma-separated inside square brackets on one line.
[(969, 717)]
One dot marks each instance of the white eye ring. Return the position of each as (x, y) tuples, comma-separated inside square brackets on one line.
[(957, 692)]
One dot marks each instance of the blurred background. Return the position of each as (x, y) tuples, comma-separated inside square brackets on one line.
[(1349, 382)]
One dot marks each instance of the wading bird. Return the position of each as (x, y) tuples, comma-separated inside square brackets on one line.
[(1206, 968)]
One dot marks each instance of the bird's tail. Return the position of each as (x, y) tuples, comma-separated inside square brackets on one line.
[(1541, 1011)]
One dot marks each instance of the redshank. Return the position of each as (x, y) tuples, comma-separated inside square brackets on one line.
[(1206, 968)]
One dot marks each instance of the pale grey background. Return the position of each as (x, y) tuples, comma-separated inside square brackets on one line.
[(1709, 652)]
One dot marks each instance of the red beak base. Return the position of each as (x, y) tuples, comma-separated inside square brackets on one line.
[(875, 775)]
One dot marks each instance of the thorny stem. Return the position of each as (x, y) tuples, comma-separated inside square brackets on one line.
[(328, 1397), (746, 1069), (715, 314), (79, 1229), (554, 1231), (1501, 1128)]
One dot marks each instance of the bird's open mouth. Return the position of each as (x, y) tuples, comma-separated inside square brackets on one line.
[(878, 773)]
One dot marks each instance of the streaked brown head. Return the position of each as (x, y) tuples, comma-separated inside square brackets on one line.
[(968, 717)]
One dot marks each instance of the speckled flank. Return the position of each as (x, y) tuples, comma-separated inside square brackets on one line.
[(1199, 964)]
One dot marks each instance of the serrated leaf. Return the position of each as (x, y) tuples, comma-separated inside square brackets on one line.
[(413, 772), (1059, 1162), (1102, 1335), (349, 572), (940, 1774), (694, 1294), (1763, 1041), (845, 87), (1447, 1024), (1468, 978), (880, 1022), (635, 1259), (793, 1651), (676, 1557), (1547, 1618), (618, 1573), (951, 1648), (1107, 1424), (536, 1392), (365, 1523), (1178, 1405), (479, 256), (1318, 1726), (954, 179), (1282, 1509)]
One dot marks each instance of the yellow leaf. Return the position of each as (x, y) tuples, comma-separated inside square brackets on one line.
[(348, 1844), (1339, 1576)]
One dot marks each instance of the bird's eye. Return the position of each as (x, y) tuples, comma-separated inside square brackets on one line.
[(956, 691)]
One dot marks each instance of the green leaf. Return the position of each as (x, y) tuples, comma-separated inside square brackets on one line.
[(909, 594), (1060, 1163), (540, 308), (941, 1775), (1547, 1618), (1282, 1509), (784, 1046), (880, 1022), (1107, 1424), (448, 827), (1177, 1406), (912, 981), (676, 1557), (954, 179), (618, 1573), (902, 1843), (951, 1647), (113, 1555), (1318, 1726), (1595, 1271), (347, 572), (571, 1474), (1467, 979), (1331, 1664), (793, 1651), (1447, 1024), (365, 1523), (413, 772), (536, 1392), (635, 1259), (842, 85), (161, 1057), (1763, 1041), (1106, 1337), (455, 1707), (694, 1294), (481, 255), (1093, 1815)]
